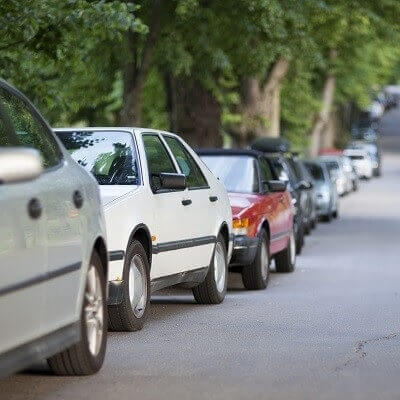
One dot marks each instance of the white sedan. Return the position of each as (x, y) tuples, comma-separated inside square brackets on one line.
[(53, 257), (168, 218), (362, 162)]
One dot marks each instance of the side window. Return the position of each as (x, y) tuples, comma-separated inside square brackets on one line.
[(265, 170), (7, 137), (29, 130), (158, 159), (187, 164)]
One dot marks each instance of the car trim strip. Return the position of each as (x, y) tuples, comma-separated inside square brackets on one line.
[(40, 278), (183, 244), (116, 255), (278, 236)]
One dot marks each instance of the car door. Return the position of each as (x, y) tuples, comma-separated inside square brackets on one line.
[(275, 207), (171, 227), (64, 224), (202, 209), (22, 251)]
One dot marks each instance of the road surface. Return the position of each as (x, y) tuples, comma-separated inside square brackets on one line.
[(329, 330)]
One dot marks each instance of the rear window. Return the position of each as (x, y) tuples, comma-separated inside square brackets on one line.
[(109, 156), (315, 171), (237, 172), (356, 157)]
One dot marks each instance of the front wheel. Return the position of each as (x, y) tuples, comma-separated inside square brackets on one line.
[(87, 356), (256, 275), (213, 289), (131, 313), (285, 260)]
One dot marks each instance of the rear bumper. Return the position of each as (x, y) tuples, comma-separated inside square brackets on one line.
[(244, 250)]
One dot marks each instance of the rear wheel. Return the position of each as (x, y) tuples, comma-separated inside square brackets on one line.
[(87, 356), (256, 275), (213, 289), (327, 217), (285, 260), (299, 239), (131, 314)]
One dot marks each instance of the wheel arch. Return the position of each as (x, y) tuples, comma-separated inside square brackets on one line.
[(266, 226), (142, 233), (101, 248), (224, 231)]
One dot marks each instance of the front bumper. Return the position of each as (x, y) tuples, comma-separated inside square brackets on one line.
[(244, 250), (322, 206)]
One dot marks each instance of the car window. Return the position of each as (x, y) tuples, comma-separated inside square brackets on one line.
[(237, 172), (158, 159), (265, 171), (109, 156), (316, 171), (187, 164), (29, 130)]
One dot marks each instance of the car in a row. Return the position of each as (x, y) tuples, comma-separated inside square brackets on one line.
[(168, 219)]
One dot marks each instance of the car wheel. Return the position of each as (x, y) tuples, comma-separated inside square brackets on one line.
[(87, 356), (335, 214), (285, 260), (213, 289), (314, 223), (131, 313), (300, 239), (256, 275), (327, 217)]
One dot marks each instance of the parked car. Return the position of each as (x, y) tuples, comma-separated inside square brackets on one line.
[(373, 151), (168, 218), (351, 174), (277, 151), (53, 257), (262, 214), (362, 162), (326, 196), (335, 166), (310, 207)]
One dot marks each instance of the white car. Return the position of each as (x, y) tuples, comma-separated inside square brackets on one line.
[(338, 173), (362, 162), (53, 256), (168, 218)]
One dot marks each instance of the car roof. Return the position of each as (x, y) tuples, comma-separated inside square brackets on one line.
[(230, 152), (130, 129)]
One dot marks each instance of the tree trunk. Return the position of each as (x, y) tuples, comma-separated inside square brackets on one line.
[(196, 114), (321, 119), (260, 105), (137, 67)]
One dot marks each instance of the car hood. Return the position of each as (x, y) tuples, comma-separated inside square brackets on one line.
[(241, 202), (110, 193)]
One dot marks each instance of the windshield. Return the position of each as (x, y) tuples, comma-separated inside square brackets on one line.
[(333, 168), (109, 156), (238, 173), (356, 157), (316, 171)]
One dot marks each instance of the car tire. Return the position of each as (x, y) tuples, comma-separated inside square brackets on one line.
[(300, 239), (335, 214), (213, 289), (327, 217), (256, 275), (130, 315), (314, 223), (285, 260), (86, 357)]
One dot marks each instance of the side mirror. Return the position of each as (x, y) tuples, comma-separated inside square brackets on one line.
[(18, 164), (172, 181), (304, 185), (277, 186)]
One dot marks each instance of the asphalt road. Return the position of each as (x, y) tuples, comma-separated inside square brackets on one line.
[(329, 330)]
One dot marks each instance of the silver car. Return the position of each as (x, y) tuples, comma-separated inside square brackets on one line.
[(326, 196), (53, 257)]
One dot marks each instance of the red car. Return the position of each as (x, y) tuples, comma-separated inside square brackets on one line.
[(262, 214)]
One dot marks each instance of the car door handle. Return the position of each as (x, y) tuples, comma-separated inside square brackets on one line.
[(77, 198), (34, 208), (213, 199), (186, 202)]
